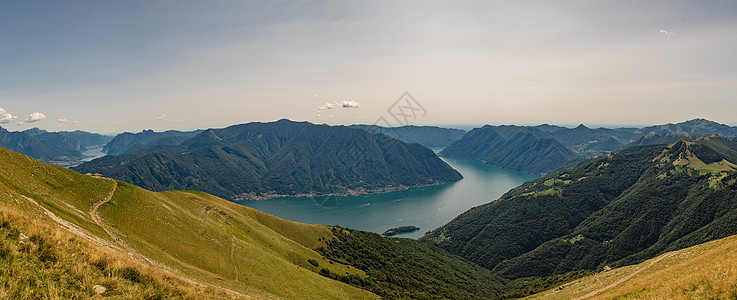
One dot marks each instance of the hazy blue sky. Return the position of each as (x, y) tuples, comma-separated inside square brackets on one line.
[(111, 66)]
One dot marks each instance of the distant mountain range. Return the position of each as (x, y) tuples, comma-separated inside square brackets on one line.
[(56, 147), (428, 136), (543, 148), (256, 160), (616, 209)]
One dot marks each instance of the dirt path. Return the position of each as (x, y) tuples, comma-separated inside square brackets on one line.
[(232, 256), (96, 217), (625, 278), (71, 227)]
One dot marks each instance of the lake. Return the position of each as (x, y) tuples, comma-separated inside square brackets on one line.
[(427, 207), (93, 153)]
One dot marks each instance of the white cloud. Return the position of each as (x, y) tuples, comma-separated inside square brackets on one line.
[(62, 121), (35, 117), (350, 104), (327, 106), (6, 117), (75, 122), (666, 32), (168, 117)]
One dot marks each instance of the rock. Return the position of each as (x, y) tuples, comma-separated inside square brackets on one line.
[(99, 289)]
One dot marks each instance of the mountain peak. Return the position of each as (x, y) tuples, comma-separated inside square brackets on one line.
[(581, 126), (700, 121)]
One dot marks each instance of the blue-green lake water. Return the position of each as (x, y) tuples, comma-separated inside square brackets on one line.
[(427, 207)]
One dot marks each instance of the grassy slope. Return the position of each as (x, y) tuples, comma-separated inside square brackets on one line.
[(241, 252), (43, 261), (205, 237), (705, 271)]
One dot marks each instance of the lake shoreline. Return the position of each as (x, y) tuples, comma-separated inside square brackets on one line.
[(356, 192)]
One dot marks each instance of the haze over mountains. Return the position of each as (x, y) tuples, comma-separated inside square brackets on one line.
[(543, 148), (59, 147)]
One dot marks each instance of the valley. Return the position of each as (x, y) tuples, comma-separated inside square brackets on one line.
[(395, 150), (585, 216)]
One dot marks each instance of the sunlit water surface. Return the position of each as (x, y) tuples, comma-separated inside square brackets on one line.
[(427, 207)]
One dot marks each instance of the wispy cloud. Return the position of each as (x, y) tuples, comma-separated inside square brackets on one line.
[(666, 32), (62, 121), (350, 104), (6, 117), (168, 117), (327, 106)]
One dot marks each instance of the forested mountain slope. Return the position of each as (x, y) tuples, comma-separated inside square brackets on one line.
[(125, 141), (616, 209), (257, 160), (512, 147)]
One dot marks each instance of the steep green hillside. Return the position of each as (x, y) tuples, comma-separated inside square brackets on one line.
[(279, 158), (406, 268), (614, 210), (512, 147), (209, 239), (428, 136)]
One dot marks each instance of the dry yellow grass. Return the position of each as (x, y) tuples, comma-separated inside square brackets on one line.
[(42, 261), (706, 271)]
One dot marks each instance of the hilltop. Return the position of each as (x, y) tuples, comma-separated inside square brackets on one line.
[(123, 142), (428, 136)]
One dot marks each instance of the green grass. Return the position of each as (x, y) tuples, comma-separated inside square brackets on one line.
[(188, 234), (67, 194), (175, 227)]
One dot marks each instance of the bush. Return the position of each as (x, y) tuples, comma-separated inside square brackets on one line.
[(313, 262)]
